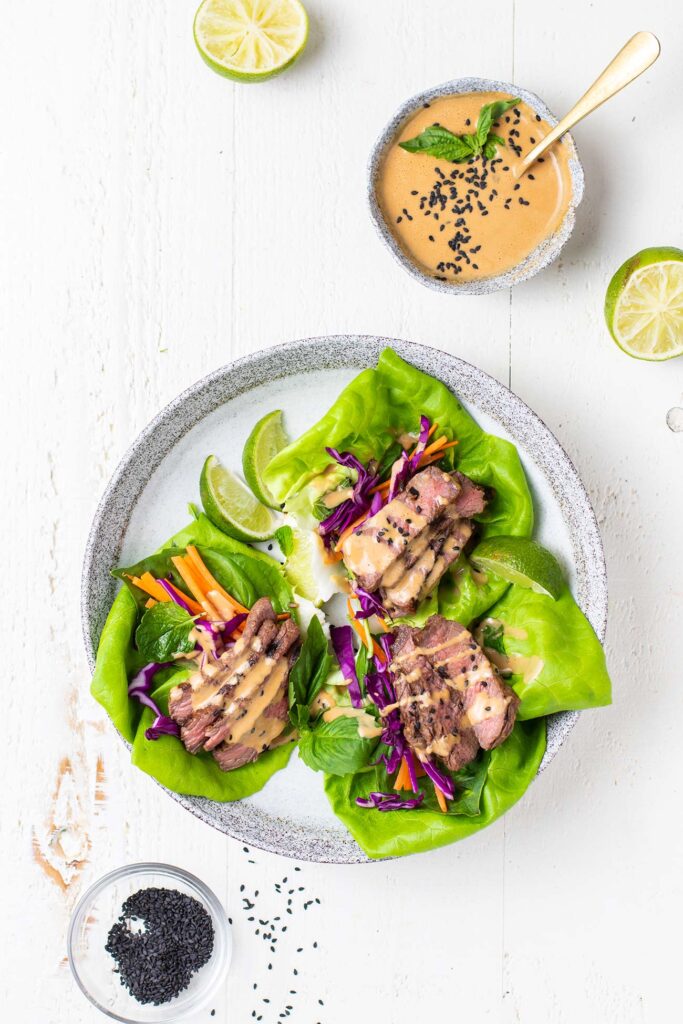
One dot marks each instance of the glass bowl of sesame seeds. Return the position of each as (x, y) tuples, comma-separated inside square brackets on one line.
[(446, 195), (149, 942)]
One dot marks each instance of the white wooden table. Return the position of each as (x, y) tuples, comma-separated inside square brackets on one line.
[(157, 221)]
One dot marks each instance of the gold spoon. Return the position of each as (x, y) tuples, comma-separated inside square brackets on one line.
[(640, 52)]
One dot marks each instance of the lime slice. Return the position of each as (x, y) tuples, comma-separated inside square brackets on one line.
[(231, 506), (250, 40), (265, 441), (521, 561), (644, 304), (308, 572)]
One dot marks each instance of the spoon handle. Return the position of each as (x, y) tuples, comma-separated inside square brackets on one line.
[(640, 52)]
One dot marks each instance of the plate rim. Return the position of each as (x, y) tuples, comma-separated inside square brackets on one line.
[(333, 351)]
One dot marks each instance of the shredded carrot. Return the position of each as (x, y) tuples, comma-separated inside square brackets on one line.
[(150, 586), (225, 608), (381, 488), (383, 624), (330, 557), (441, 799), (435, 445), (208, 580), (150, 602), (284, 615), (378, 652), (433, 427), (194, 607), (188, 576), (402, 780), (348, 531), (359, 629)]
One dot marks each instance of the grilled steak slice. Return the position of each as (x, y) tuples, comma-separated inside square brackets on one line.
[(451, 699), (414, 576), (404, 550), (237, 705), (382, 539), (472, 500)]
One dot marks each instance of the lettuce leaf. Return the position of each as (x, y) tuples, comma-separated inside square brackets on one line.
[(375, 408), (574, 673), (511, 769), (246, 573), (168, 762)]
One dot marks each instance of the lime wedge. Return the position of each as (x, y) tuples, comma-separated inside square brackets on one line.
[(231, 506), (308, 572), (644, 304), (521, 561), (265, 441), (250, 40)]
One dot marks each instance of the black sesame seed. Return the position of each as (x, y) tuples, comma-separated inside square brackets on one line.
[(157, 962)]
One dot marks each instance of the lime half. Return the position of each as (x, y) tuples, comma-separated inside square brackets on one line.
[(521, 561), (265, 441), (644, 304), (231, 506), (250, 40)]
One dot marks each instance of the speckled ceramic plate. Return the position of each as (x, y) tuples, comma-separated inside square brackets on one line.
[(541, 256), (147, 498)]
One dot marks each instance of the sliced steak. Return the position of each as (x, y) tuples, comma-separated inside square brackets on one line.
[(427, 558), (472, 498), (404, 550), (450, 697), (381, 540), (237, 705)]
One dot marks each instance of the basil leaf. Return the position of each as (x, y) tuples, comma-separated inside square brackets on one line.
[(284, 535), (335, 747), (439, 142), (164, 631), (489, 113), (309, 672)]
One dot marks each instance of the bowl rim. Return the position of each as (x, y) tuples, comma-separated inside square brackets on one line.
[(545, 253), (218, 916), (166, 429)]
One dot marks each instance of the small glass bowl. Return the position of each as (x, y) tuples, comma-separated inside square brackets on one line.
[(93, 967)]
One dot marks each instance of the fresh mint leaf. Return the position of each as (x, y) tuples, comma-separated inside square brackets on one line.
[(164, 631), (335, 747), (439, 142), (309, 672), (492, 636), (284, 535)]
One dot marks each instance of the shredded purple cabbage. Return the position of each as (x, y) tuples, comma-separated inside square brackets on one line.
[(440, 779), (370, 604), (174, 597), (389, 802), (407, 465), (342, 642), (380, 688), (139, 688), (361, 501)]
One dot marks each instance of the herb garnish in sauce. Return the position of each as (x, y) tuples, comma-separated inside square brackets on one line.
[(438, 141)]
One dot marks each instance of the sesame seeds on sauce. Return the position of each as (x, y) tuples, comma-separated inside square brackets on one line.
[(465, 221)]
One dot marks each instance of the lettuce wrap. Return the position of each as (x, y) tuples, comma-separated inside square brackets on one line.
[(245, 573), (376, 408), (569, 669)]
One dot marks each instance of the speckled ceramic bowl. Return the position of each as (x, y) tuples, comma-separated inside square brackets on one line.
[(541, 256), (146, 501)]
